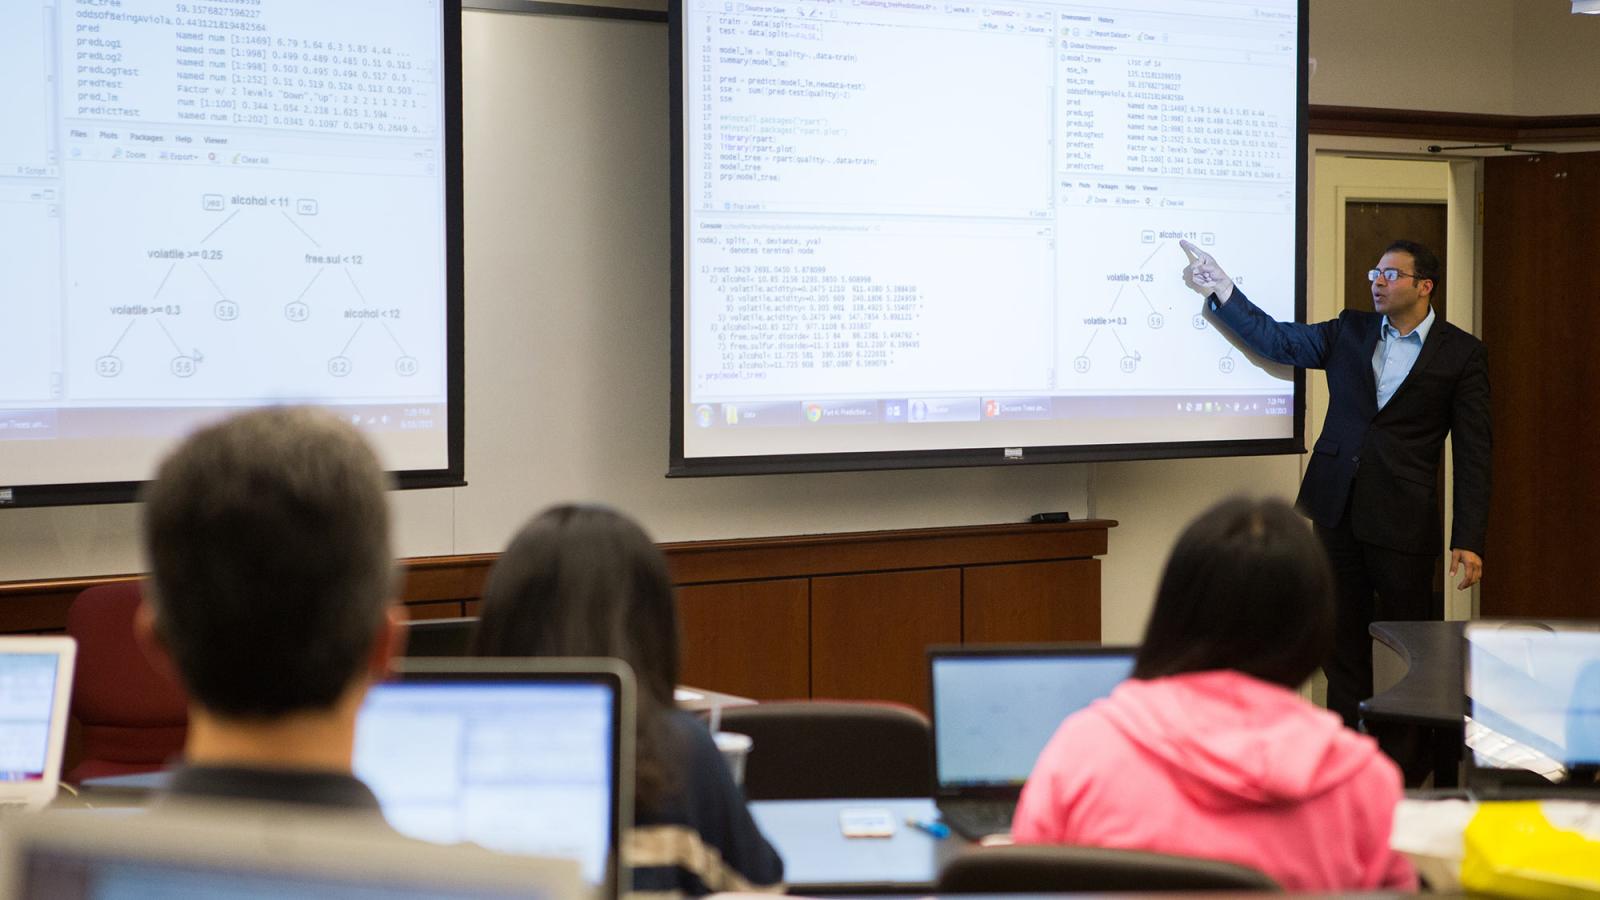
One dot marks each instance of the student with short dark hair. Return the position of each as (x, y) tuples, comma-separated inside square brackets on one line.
[(587, 581), (271, 596), (1208, 750)]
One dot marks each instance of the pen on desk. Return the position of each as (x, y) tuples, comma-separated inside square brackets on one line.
[(933, 829)]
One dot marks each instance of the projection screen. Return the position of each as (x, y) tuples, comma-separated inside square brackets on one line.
[(215, 205), (936, 232)]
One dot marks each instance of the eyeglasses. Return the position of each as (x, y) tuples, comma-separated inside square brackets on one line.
[(1392, 275)]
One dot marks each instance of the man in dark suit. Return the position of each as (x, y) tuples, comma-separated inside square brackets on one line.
[(1399, 380)]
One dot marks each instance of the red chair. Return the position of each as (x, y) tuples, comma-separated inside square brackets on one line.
[(131, 718)]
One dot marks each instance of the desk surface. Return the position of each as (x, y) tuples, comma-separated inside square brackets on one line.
[(817, 857), (699, 699), (1431, 691)]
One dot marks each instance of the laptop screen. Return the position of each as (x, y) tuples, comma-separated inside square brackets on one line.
[(1533, 691), (255, 852), (28, 686), (993, 712), (82, 876), (518, 766)]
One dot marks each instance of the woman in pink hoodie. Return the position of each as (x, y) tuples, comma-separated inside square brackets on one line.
[(1208, 750)]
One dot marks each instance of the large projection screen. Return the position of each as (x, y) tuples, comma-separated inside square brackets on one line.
[(935, 232), (216, 205)]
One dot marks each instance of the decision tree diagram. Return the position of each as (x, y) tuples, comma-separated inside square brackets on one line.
[(239, 295), (1133, 318)]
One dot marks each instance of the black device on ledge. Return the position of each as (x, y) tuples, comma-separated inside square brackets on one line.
[(1050, 517)]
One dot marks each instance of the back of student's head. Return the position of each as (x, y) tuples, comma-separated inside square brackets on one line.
[(267, 537), (1247, 588), (584, 581)]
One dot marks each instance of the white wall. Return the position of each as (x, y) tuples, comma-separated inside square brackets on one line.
[(1557, 60), (1502, 57), (1415, 54)]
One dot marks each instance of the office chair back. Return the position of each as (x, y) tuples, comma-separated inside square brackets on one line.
[(1058, 869), (816, 749), (130, 717)]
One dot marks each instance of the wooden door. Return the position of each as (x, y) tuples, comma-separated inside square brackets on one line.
[(1541, 322)]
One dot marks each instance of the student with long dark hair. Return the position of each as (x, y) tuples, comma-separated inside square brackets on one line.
[(1208, 750), (587, 581)]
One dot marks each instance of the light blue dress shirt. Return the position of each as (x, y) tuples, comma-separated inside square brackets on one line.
[(1395, 355)]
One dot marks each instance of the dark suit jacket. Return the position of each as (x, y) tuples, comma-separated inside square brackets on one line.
[(1385, 463)]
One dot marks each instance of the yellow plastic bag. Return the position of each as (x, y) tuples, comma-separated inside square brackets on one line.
[(1512, 850)]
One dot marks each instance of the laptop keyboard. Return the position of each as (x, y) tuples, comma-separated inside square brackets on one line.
[(975, 821)]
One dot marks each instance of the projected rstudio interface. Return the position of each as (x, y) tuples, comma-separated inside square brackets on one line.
[(908, 211), (219, 203)]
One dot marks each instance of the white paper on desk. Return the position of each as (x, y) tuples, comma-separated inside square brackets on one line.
[(1431, 827), (1574, 815), (1429, 833)]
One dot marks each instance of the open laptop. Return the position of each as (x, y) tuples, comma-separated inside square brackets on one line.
[(530, 756), (35, 689), (250, 853), (1532, 709), (994, 708)]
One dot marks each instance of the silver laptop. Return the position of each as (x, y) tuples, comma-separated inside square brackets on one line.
[(35, 690), (994, 708), (530, 756), (1532, 724), (237, 852)]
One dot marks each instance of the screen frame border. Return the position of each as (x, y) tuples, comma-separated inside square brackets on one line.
[(92, 493), (614, 673), (681, 466)]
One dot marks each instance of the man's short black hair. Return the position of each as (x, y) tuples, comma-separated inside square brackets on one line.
[(267, 537), (1247, 588), (1424, 264)]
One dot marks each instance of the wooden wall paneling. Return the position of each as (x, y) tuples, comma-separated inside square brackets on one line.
[(868, 633), (749, 638), (877, 551), (451, 585), (1540, 318), (41, 606), (1451, 127), (446, 577), (434, 609), (1049, 601)]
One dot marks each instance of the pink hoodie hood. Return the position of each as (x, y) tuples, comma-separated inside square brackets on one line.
[(1230, 740)]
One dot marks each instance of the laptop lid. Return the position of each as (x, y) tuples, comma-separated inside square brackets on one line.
[(35, 690), (254, 853), (531, 756), (1532, 703), (996, 706)]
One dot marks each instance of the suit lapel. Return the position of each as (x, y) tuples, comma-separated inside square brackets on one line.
[(1369, 346)]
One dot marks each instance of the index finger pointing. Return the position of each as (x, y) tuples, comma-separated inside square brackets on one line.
[(1194, 253)]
